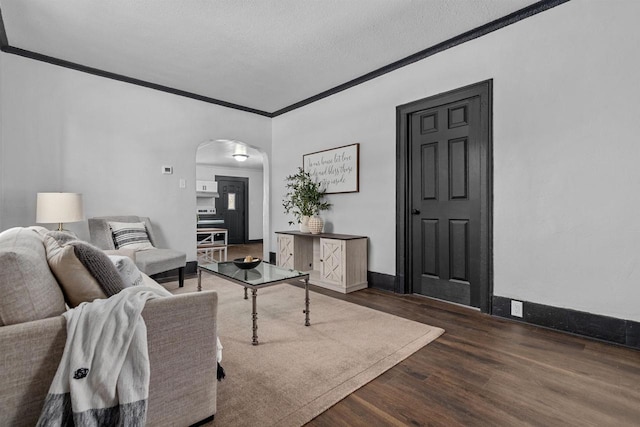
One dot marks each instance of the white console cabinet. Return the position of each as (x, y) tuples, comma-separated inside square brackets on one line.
[(333, 261)]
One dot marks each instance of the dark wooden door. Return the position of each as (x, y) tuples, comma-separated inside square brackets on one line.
[(448, 210), (232, 206)]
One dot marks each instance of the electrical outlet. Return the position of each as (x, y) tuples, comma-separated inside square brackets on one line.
[(183, 183), (516, 308)]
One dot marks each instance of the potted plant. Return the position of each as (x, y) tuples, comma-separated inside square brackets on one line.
[(304, 199)]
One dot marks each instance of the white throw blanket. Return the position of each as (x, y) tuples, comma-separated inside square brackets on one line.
[(103, 376)]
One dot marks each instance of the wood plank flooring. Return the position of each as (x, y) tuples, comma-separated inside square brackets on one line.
[(487, 371)]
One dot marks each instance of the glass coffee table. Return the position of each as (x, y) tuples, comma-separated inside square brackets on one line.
[(262, 276)]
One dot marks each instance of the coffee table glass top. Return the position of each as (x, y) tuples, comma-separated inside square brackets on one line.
[(263, 274)]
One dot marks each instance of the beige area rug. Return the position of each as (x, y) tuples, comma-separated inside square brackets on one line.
[(297, 372)]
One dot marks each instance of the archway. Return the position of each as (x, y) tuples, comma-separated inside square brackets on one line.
[(219, 164)]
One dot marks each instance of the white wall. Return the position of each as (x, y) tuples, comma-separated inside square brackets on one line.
[(256, 193), (30, 143), (69, 131), (566, 153)]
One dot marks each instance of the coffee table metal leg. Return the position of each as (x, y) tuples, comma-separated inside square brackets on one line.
[(245, 294), (199, 279), (254, 316), (306, 302)]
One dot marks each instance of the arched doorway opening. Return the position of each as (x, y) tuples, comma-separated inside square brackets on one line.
[(232, 183)]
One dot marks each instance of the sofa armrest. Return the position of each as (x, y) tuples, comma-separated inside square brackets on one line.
[(181, 335), (30, 352)]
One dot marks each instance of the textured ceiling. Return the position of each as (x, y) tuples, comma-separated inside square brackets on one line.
[(264, 55), (220, 153)]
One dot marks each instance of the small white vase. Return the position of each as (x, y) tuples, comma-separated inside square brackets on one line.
[(304, 224), (315, 225)]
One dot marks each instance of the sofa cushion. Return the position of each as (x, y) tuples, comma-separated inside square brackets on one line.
[(85, 272), (99, 266), (130, 235), (158, 260), (121, 252), (76, 282), (28, 289)]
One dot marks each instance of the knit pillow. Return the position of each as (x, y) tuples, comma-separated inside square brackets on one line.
[(130, 235)]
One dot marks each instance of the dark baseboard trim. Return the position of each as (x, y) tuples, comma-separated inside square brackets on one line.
[(382, 281), (203, 422), (249, 242), (604, 328), (190, 269)]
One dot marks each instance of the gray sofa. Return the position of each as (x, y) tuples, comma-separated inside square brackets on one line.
[(181, 334)]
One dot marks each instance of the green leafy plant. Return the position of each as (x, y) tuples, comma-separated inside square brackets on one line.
[(304, 196)]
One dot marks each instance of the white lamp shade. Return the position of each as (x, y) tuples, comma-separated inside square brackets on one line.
[(59, 208)]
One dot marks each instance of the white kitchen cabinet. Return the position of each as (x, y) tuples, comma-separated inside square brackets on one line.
[(206, 187), (333, 261)]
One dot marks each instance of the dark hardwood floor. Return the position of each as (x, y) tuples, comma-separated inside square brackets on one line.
[(242, 250), (487, 371)]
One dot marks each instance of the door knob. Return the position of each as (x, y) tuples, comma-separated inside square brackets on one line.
[(415, 211)]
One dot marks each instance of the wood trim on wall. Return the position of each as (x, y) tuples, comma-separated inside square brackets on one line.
[(384, 282), (596, 326), (490, 27), (4, 42), (126, 79)]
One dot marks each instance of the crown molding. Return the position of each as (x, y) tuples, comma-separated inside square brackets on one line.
[(490, 27), (512, 18)]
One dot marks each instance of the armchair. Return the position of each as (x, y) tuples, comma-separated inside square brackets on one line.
[(149, 261)]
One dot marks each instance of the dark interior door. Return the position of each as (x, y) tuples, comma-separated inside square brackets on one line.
[(445, 201), (232, 206)]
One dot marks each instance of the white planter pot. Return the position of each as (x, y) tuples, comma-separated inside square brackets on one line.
[(315, 225), (304, 224)]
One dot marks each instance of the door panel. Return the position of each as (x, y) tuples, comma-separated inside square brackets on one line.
[(430, 255), (458, 248), (445, 188), (458, 169), (285, 251), (430, 171), (331, 260)]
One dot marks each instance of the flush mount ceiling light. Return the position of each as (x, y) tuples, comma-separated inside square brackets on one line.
[(240, 153), (240, 157)]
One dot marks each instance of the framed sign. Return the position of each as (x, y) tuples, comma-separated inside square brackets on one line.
[(335, 169)]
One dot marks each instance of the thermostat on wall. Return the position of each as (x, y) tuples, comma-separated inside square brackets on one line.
[(167, 170)]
